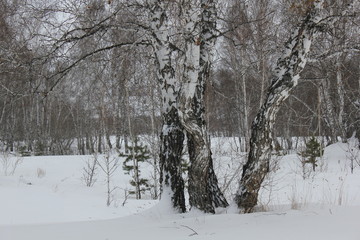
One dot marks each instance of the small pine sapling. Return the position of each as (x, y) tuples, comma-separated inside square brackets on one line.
[(138, 153), (311, 153), (23, 151), (40, 148)]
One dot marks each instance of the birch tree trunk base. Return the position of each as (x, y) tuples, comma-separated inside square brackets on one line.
[(286, 78), (204, 193), (172, 140)]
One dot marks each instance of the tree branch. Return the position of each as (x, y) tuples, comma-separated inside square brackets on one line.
[(62, 73)]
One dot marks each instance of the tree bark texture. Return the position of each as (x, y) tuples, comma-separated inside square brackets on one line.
[(286, 77), (172, 136), (204, 192), (172, 140)]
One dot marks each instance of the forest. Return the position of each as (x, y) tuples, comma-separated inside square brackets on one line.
[(92, 76)]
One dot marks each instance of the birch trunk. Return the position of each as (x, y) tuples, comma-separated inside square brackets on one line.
[(285, 79), (246, 109), (204, 192), (341, 95), (155, 142), (340, 40), (328, 106), (172, 136)]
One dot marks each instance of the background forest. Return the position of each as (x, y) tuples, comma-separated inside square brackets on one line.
[(74, 73)]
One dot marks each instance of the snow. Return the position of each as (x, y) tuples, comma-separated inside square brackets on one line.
[(60, 195), (307, 44), (329, 224), (46, 199)]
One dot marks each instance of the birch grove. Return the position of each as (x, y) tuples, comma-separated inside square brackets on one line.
[(90, 77)]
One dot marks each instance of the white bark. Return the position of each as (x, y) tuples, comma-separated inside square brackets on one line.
[(328, 105), (204, 192), (341, 95), (172, 136)]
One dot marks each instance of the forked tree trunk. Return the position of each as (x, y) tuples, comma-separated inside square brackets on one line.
[(286, 78), (172, 136), (204, 192)]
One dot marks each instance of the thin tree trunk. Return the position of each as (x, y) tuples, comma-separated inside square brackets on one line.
[(108, 140), (329, 109), (99, 144), (242, 105), (341, 95), (246, 111), (133, 143), (154, 143)]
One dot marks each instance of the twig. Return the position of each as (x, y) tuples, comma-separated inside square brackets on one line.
[(194, 232), (126, 196)]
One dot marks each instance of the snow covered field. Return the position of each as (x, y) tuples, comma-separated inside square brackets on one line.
[(46, 198)]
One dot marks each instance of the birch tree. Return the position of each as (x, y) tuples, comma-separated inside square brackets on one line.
[(200, 28), (286, 77), (172, 136)]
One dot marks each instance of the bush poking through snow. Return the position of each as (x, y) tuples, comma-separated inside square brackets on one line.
[(40, 148), (9, 163), (90, 171), (40, 173), (24, 152)]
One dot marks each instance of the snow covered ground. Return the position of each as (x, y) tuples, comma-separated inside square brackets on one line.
[(46, 198)]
